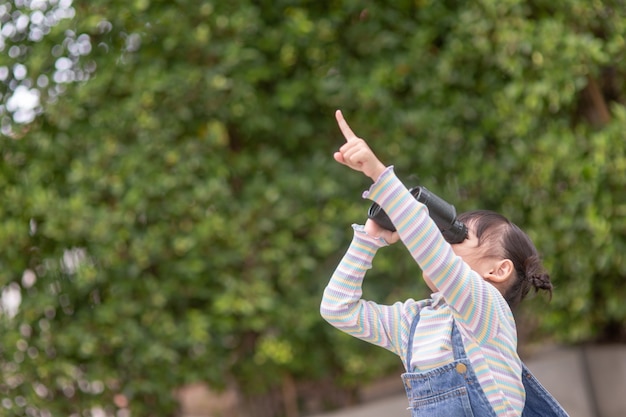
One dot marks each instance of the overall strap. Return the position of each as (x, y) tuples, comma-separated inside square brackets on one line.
[(409, 346), (458, 348)]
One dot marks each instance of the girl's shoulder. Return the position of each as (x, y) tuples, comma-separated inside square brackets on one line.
[(412, 308)]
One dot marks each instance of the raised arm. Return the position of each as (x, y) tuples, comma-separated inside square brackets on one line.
[(342, 306), (477, 303)]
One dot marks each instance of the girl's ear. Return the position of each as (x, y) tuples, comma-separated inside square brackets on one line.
[(501, 271)]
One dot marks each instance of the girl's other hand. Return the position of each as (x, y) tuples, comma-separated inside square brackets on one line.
[(374, 230)]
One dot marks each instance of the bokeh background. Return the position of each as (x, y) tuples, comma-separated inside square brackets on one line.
[(171, 211)]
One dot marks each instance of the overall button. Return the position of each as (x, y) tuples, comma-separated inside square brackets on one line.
[(461, 368)]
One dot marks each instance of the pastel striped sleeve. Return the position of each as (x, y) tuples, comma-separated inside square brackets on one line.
[(343, 307), (476, 303)]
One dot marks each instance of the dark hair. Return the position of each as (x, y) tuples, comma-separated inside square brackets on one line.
[(496, 230)]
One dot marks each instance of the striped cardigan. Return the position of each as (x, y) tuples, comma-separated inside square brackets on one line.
[(482, 315)]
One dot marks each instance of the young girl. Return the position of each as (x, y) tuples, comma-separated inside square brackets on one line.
[(458, 346)]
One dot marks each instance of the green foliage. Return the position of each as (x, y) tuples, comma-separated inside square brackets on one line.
[(173, 213)]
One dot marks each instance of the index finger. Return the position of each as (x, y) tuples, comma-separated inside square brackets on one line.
[(343, 126)]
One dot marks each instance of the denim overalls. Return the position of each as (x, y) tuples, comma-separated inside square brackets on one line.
[(453, 390)]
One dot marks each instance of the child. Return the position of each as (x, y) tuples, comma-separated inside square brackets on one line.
[(458, 346)]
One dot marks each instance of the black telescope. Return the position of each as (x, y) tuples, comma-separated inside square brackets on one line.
[(442, 213)]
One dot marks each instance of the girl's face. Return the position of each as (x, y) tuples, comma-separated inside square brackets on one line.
[(475, 256)]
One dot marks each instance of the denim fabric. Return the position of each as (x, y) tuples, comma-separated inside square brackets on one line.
[(453, 390), (539, 402)]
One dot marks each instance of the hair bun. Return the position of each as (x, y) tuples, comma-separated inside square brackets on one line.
[(541, 281)]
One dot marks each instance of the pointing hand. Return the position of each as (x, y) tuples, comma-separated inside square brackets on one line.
[(355, 153)]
